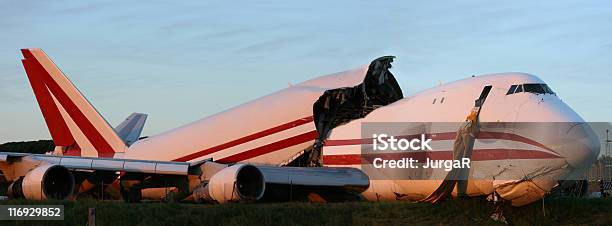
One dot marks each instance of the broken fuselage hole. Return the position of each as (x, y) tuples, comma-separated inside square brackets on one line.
[(339, 106)]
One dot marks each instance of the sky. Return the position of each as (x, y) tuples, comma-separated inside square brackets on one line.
[(180, 61)]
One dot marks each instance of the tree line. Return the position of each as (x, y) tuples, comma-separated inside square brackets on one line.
[(37, 147)]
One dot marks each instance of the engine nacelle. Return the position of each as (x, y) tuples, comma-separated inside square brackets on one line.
[(240, 182), (44, 182)]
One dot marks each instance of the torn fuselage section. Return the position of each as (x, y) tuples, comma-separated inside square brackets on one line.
[(339, 106)]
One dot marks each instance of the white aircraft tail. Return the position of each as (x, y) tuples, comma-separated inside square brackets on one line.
[(75, 125)]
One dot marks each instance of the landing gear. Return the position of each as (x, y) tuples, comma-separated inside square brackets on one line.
[(131, 191), (498, 214)]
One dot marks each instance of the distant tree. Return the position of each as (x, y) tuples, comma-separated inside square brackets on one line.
[(37, 147)]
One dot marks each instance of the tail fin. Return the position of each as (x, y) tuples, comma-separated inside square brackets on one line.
[(130, 129), (75, 125)]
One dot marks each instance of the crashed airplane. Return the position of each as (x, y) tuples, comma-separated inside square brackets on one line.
[(302, 143)]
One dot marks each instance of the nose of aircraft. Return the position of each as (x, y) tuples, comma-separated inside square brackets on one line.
[(577, 143), (561, 129)]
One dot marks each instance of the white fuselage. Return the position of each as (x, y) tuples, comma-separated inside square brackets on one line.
[(277, 128), (270, 130), (508, 152)]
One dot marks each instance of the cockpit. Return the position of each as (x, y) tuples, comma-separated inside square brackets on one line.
[(536, 88)]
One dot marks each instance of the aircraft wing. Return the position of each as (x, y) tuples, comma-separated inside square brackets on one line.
[(39, 176), (106, 164), (299, 183), (314, 176)]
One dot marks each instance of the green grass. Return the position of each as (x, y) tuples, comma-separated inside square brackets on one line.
[(464, 212)]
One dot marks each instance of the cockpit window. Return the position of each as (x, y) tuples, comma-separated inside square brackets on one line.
[(548, 89), (535, 88), (519, 89), (511, 90)]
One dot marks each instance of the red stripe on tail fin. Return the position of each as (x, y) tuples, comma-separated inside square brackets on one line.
[(73, 122), (57, 127)]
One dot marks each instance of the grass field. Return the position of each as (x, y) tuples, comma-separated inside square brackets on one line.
[(558, 211)]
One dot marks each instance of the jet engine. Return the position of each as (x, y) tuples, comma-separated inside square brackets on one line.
[(44, 182), (240, 182)]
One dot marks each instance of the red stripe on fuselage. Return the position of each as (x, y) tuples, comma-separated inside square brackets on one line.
[(446, 136), (246, 139), (313, 134), (272, 147)]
